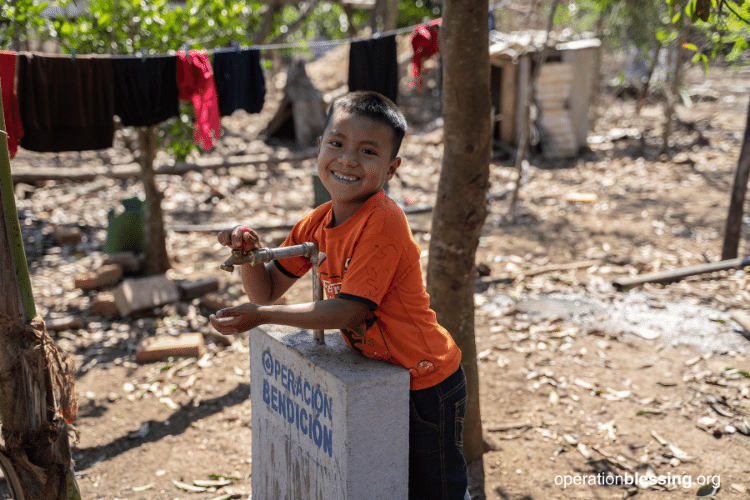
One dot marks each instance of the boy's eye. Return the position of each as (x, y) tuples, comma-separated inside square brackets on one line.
[(369, 152), (335, 143)]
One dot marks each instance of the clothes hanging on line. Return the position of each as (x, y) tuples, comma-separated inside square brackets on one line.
[(195, 80), (424, 42), (240, 83), (146, 90), (10, 100), (66, 104), (373, 65)]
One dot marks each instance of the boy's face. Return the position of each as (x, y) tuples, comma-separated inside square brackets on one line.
[(354, 160)]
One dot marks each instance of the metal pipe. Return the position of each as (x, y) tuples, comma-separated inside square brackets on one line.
[(265, 255)]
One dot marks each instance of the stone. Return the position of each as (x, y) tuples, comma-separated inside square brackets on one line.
[(106, 275), (128, 260), (104, 304), (167, 346), (326, 421), (135, 295), (65, 323), (197, 288), (65, 235)]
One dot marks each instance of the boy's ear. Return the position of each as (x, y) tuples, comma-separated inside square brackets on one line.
[(320, 141), (395, 163)]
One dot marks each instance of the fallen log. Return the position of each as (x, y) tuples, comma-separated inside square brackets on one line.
[(678, 274), (133, 170)]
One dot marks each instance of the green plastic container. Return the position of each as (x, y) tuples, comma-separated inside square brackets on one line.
[(126, 232)]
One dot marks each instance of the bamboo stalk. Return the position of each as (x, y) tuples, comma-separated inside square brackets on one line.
[(12, 226)]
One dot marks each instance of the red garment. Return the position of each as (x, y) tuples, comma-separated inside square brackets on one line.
[(195, 79), (424, 41), (10, 100)]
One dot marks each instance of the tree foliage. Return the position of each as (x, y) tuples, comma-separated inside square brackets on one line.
[(22, 20)]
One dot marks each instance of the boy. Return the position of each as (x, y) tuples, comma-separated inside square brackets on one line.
[(373, 283)]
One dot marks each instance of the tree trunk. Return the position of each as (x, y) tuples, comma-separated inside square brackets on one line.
[(349, 11), (34, 374), (647, 79), (733, 230), (461, 208), (375, 13), (157, 259), (390, 15), (673, 90), (265, 24)]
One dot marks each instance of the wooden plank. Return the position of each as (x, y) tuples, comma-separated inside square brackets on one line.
[(583, 81), (678, 274), (555, 72)]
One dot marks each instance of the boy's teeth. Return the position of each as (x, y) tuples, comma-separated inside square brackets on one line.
[(344, 177)]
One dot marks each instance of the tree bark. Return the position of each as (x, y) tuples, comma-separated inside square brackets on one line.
[(157, 259), (733, 229), (461, 208)]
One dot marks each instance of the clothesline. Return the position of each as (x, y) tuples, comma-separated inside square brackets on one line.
[(304, 44), (275, 46)]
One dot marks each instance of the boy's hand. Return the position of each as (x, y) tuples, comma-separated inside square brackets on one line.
[(240, 238), (234, 320)]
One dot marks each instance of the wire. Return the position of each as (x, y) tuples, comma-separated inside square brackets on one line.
[(321, 43)]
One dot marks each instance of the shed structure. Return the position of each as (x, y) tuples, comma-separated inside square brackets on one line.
[(563, 92)]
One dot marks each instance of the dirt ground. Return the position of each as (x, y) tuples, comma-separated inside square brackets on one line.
[(567, 406)]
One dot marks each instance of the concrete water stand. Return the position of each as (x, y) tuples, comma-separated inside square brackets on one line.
[(327, 422)]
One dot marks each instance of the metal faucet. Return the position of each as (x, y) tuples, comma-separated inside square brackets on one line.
[(265, 255)]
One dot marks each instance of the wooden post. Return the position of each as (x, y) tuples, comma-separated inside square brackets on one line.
[(733, 229), (157, 259)]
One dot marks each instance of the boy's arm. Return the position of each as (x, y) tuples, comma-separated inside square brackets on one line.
[(330, 314), (264, 284)]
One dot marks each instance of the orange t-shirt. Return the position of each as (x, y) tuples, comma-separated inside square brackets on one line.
[(372, 258)]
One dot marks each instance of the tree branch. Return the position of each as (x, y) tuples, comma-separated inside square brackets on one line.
[(735, 13), (301, 19)]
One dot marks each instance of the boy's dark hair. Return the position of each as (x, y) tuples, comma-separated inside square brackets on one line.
[(376, 107)]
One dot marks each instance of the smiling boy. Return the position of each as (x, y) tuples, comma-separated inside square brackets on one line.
[(373, 283)]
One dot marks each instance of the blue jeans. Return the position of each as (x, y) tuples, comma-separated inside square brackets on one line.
[(437, 469)]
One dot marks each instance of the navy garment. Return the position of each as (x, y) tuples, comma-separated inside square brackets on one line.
[(66, 104), (146, 90), (373, 66), (239, 81), (437, 468)]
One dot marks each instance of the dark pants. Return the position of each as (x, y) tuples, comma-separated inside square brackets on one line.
[(437, 469)]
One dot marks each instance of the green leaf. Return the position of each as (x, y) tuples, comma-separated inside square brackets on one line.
[(690, 46), (706, 491)]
